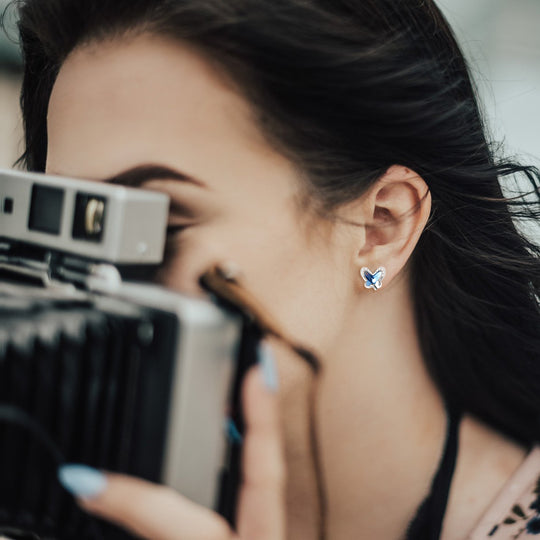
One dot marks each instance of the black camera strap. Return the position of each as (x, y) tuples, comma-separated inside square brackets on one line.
[(227, 286), (10, 414), (15, 415)]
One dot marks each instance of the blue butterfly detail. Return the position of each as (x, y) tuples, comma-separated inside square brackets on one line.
[(373, 280)]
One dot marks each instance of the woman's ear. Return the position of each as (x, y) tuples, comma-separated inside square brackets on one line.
[(395, 209)]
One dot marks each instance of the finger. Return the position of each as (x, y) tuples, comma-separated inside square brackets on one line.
[(261, 510), (154, 511)]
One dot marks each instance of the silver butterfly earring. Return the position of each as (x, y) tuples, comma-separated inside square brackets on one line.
[(373, 280)]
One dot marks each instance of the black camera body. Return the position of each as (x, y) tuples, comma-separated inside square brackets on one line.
[(121, 375)]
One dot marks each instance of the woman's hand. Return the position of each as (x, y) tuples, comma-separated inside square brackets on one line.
[(159, 513)]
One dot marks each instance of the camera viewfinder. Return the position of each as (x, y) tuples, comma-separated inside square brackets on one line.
[(46, 209)]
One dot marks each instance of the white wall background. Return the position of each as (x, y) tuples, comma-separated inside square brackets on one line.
[(11, 133), (501, 39), (10, 124)]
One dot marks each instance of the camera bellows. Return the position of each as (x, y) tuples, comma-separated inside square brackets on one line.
[(72, 381)]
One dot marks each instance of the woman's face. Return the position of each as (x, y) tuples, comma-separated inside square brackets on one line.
[(148, 101)]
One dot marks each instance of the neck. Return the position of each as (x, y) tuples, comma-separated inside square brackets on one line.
[(381, 425)]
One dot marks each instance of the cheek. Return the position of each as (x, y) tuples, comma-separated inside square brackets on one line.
[(297, 282), (299, 289)]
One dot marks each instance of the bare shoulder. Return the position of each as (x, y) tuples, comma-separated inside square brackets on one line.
[(486, 460)]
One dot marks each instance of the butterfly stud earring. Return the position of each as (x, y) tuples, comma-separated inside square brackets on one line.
[(373, 280)]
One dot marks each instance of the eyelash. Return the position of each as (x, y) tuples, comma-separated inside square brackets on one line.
[(173, 229)]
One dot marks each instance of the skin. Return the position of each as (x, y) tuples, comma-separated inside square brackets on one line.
[(381, 421)]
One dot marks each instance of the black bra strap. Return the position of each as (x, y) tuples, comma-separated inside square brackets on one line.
[(427, 523)]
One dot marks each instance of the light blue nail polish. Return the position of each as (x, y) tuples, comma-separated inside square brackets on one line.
[(81, 480), (268, 366)]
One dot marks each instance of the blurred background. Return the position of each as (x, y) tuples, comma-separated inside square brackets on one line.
[(501, 39), (10, 125)]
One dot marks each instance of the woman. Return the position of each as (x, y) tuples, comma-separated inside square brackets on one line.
[(308, 141)]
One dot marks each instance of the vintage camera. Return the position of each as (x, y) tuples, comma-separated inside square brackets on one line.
[(98, 364)]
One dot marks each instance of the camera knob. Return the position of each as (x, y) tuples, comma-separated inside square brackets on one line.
[(93, 217)]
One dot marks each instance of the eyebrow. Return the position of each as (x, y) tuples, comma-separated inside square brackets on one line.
[(136, 176)]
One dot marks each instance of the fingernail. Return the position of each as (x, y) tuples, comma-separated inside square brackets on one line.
[(267, 363), (81, 480), (230, 270)]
